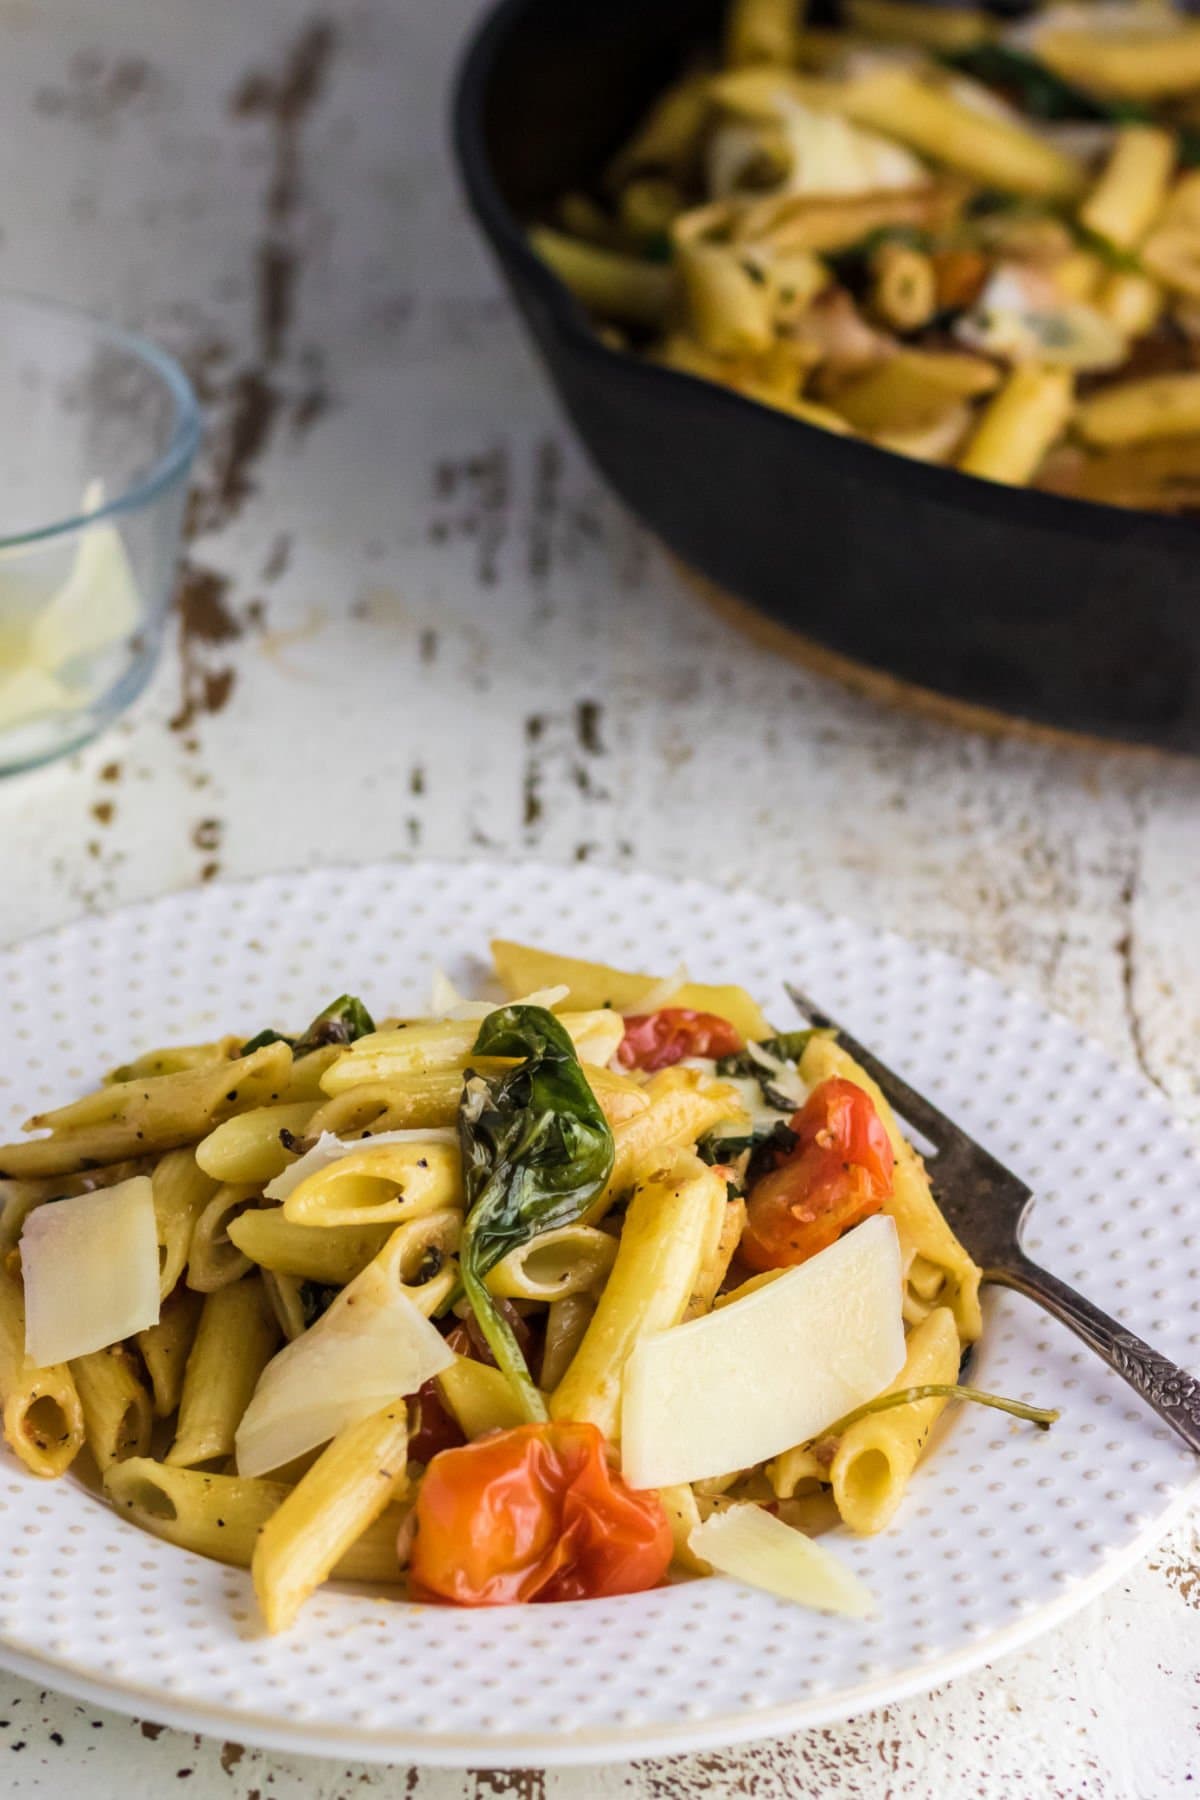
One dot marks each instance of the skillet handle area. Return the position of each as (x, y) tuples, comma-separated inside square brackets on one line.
[(1162, 1384)]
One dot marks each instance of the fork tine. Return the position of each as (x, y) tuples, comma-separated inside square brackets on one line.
[(942, 1132)]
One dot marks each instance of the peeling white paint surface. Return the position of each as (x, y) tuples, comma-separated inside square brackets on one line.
[(417, 623)]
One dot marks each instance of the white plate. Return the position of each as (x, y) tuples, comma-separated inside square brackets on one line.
[(1005, 1529)]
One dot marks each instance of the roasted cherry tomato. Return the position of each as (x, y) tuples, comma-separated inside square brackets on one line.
[(534, 1513), (658, 1039), (839, 1172)]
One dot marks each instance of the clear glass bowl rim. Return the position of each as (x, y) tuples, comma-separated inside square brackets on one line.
[(173, 462)]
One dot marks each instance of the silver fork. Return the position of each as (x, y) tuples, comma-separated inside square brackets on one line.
[(985, 1204)]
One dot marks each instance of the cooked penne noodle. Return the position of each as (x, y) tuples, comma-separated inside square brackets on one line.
[(1134, 302), (1133, 186), (181, 1193), (221, 1516), (235, 1340), (250, 1146), (575, 1259), (875, 1456), (684, 1516), (566, 1322), (118, 1415), (684, 1104), (605, 281), (43, 1418), (344, 1492), (727, 299), (446, 1044), (933, 27), (1132, 65), (903, 286), (522, 969), (1137, 412), (379, 1183), (479, 1397), (173, 1058), (923, 1230), (214, 1260), (412, 1102), (668, 1224), (717, 1256), (164, 1348), (160, 1112), (1019, 426), (285, 1295), (666, 142), (332, 1254)]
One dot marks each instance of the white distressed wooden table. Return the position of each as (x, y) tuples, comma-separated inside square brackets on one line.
[(413, 622)]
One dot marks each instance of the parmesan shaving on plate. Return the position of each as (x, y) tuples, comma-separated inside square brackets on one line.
[(90, 1269), (370, 1348), (330, 1149), (774, 1368), (753, 1546), (661, 994), (446, 1002)]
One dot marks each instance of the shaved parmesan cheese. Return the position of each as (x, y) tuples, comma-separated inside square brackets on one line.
[(29, 693), (90, 1269), (755, 1547), (446, 1002), (370, 1348), (97, 605), (774, 1368), (661, 994), (330, 1149)]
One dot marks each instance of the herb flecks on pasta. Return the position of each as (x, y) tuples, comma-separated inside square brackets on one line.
[(971, 242), (535, 1300)]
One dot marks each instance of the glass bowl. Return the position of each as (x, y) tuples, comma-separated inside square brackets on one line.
[(98, 430)]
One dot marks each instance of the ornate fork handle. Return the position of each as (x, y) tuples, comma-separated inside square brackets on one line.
[(1170, 1390)]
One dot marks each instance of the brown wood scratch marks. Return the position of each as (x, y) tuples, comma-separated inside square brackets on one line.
[(508, 1784), (205, 623)]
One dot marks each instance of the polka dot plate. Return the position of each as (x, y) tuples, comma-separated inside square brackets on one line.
[(1004, 1531)]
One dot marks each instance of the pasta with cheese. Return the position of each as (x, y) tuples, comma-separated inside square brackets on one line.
[(370, 1291)]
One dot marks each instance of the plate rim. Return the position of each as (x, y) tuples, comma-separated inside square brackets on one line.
[(612, 1743)]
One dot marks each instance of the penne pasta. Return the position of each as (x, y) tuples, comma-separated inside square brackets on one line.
[(234, 1341), (42, 1415), (221, 1516), (181, 1192), (1133, 186), (1138, 412), (876, 1456), (133, 1118), (1019, 426), (683, 1105), (478, 1397), (923, 1231), (118, 1415), (718, 1253), (379, 1184), (214, 1260), (668, 1225), (333, 1254), (761, 31), (576, 1259), (566, 1322), (164, 1348), (345, 1491), (250, 1147)]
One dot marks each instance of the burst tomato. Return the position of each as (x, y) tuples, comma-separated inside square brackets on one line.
[(658, 1039), (839, 1172), (534, 1513)]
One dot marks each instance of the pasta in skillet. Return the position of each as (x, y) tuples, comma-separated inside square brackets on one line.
[(967, 239), (529, 1300)]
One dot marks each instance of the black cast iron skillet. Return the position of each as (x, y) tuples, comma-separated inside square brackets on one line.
[(1063, 612)]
